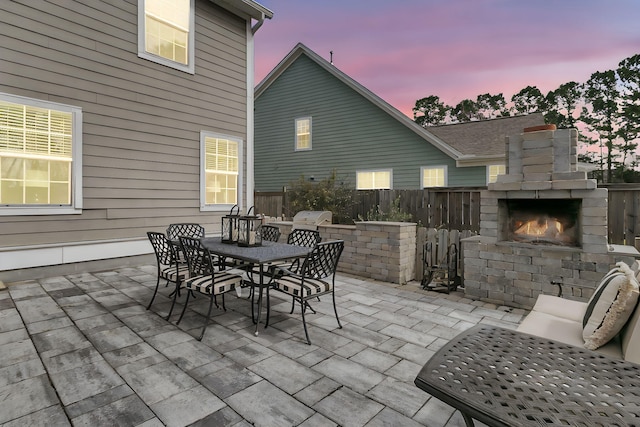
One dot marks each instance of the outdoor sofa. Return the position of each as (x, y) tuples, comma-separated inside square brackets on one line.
[(608, 323)]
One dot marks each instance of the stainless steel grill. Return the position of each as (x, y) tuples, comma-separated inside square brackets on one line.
[(312, 219)]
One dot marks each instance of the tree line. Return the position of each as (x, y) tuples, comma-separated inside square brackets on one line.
[(606, 109)]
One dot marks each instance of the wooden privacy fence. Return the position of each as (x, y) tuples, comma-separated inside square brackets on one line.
[(624, 213), (459, 208)]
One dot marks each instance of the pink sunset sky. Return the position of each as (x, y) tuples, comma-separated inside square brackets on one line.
[(405, 50)]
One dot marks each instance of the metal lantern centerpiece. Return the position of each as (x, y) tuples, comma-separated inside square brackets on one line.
[(230, 225), (248, 230)]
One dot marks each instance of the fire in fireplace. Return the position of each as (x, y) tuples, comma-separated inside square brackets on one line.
[(545, 222)]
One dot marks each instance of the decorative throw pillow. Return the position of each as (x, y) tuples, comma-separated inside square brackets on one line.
[(610, 306)]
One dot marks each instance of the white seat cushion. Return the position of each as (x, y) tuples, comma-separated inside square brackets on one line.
[(561, 307), (171, 272), (292, 285), (564, 330), (224, 282)]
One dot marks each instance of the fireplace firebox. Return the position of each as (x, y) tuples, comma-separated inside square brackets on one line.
[(540, 221)]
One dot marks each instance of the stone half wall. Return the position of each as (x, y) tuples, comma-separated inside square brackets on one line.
[(379, 250)]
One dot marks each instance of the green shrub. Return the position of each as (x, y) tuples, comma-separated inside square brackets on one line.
[(395, 214), (329, 194)]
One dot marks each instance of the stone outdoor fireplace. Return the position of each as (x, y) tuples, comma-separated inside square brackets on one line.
[(541, 222)]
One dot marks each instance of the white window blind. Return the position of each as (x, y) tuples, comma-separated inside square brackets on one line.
[(36, 155), (222, 168), (434, 176), (373, 180)]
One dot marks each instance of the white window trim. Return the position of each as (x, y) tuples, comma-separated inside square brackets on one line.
[(425, 168), (76, 168), (226, 207), (488, 175), (390, 171), (142, 52), (295, 130)]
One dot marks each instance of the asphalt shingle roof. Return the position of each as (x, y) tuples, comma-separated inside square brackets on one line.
[(485, 137)]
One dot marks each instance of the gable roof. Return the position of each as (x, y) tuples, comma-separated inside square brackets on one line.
[(484, 140), (301, 49), (480, 142)]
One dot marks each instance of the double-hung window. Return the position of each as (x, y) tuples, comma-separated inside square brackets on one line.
[(493, 171), (303, 134), (221, 162), (166, 32), (40, 157), (374, 179), (434, 176)]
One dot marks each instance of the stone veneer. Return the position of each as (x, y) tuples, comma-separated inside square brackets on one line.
[(378, 250), (541, 165)]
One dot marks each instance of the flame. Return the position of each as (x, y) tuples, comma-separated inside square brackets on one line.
[(541, 227)]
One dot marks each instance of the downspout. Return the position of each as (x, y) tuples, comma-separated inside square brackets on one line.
[(250, 109)]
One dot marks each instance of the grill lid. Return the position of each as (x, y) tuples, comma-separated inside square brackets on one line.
[(312, 219)]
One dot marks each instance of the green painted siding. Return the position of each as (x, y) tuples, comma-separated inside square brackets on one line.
[(468, 177), (349, 133)]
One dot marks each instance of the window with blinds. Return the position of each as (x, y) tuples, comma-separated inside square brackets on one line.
[(166, 32), (221, 170), (36, 155), (373, 180), (434, 176), (303, 133)]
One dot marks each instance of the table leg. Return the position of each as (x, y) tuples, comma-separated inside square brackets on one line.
[(260, 285)]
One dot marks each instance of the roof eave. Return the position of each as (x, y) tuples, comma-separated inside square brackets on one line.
[(245, 8), (472, 160)]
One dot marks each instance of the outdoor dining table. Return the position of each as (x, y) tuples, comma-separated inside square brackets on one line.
[(263, 255), (503, 377)]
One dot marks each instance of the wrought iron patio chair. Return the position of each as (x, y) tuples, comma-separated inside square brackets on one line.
[(268, 232), (298, 237), (204, 277), (315, 277), (304, 237), (169, 266), (188, 229), (174, 231)]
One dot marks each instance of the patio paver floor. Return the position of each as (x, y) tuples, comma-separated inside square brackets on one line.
[(82, 350)]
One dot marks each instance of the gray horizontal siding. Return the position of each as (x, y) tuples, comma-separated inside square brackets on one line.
[(349, 133), (141, 120)]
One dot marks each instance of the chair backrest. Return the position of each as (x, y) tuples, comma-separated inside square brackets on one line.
[(174, 231), (269, 232), (165, 252), (304, 237), (198, 257), (322, 261)]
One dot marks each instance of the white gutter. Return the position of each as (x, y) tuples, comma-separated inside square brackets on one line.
[(256, 27), (250, 184)]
